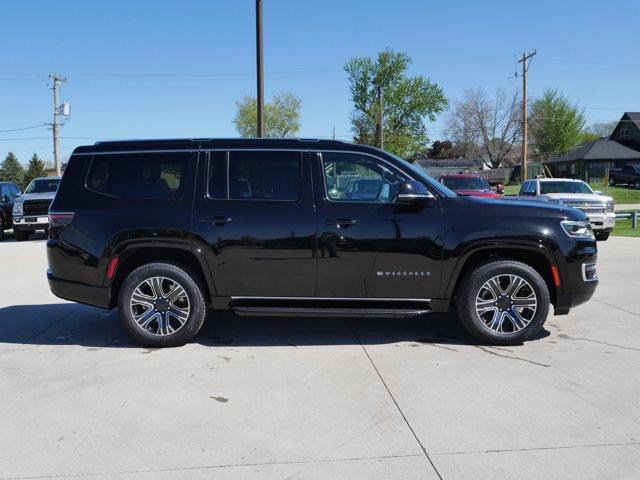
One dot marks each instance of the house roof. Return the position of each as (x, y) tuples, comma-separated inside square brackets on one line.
[(602, 149), (635, 117)]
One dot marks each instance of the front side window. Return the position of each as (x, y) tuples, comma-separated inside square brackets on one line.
[(43, 185), (265, 175), (528, 188), (139, 175), (352, 177)]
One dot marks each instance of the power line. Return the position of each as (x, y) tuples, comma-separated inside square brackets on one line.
[(23, 128)]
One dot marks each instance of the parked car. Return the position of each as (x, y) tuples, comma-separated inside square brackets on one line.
[(576, 194), (627, 175), (168, 230), (30, 209), (470, 184), (8, 192)]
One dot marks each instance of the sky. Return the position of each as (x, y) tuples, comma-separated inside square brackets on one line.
[(168, 68)]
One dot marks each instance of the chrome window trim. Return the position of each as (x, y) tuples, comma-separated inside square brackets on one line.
[(378, 299)]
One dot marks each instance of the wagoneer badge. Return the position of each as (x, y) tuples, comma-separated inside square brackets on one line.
[(403, 273)]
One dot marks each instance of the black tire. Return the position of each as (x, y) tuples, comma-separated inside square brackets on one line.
[(1, 229), (196, 305), (473, 286), (21, 235), (601, 236)]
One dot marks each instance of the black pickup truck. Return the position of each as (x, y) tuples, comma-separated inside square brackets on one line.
[(627, 175), (169, 230)]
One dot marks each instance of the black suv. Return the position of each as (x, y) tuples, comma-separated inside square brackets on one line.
[(8, 193), (170, 229)]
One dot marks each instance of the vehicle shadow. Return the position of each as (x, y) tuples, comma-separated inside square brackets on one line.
[(10, 238), (73, 324)]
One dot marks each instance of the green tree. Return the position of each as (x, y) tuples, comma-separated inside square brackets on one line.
[(281, 116), (598, 130), (383, 83), (35, 169), (556, 124), (11, 170)]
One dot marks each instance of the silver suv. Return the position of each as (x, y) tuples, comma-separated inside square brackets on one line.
[(31, 209), (576, 194)]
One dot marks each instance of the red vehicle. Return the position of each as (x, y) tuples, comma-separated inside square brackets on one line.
[(470, 184)]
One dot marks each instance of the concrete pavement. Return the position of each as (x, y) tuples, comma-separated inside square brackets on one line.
[(317, 398)]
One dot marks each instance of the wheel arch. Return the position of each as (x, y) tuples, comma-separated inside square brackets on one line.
[(135, 256), (538, 258)]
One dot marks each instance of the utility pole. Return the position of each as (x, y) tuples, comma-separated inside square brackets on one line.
[(260, 68), (55, 126), (380, 117), (334, 132), (526, 61)]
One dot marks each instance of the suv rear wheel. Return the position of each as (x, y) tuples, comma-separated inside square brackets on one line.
[(503, 302), (162, 305)]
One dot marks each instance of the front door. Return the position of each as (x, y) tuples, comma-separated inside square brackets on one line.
[(255, 219), (368, 245)]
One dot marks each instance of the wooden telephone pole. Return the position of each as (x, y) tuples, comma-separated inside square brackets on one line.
[(525, 61), (260, 69)]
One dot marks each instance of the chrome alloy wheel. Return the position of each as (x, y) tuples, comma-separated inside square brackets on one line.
[(160, 306), (506, 303)]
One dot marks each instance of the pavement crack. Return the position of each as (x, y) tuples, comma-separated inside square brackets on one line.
[(66, 315), (533, 449), (615, 306), (211, 467), (512, 357), (585, 339), (395, 402)]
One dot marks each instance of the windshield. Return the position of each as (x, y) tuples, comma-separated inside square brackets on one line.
[(43, 185), (466, 183), (422, 175), (565, 187)]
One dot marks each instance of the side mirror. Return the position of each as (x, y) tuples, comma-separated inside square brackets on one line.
[(5, 199), (598, 192), (500, 189), (413, 193)]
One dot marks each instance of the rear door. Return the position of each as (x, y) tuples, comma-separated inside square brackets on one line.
[(368, 245), (254, 219)]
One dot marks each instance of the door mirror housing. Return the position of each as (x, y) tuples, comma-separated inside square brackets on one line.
[(5, 199), (598, 192), (413, 193)]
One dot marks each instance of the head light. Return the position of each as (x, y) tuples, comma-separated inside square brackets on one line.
[(579, 229), (610, 206), (17, 208)]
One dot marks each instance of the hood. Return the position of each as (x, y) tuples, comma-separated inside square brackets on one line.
[(35, 196), (576, 196), (525, 208), (478, 193)]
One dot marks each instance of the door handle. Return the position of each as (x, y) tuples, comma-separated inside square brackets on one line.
[(341, 222), (216, 220)]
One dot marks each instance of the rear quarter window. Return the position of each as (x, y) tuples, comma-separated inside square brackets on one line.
[(138, 175)]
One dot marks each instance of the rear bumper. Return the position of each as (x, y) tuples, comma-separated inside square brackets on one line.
[(78, 292)]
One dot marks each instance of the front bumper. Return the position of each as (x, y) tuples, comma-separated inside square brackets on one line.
[(28, 222), (604, 222)]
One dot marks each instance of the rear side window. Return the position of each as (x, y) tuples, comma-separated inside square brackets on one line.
[(255, 175), (139, 175)]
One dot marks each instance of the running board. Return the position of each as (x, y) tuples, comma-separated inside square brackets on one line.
[(328, 312)]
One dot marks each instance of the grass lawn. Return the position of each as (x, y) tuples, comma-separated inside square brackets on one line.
[(620, 195), (623, 229)]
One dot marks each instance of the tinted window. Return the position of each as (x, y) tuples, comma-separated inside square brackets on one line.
[(43, 185), (138, 175), (218, 175), (264, 175), (528, 188), (359, 178)]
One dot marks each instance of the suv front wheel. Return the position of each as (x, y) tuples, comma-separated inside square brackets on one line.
[(162, 305), (503, 302)]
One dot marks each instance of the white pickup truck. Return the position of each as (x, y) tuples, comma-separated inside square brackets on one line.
[(576, 194)]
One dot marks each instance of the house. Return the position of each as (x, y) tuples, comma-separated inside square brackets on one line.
[(590, 161), (437, 167)]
